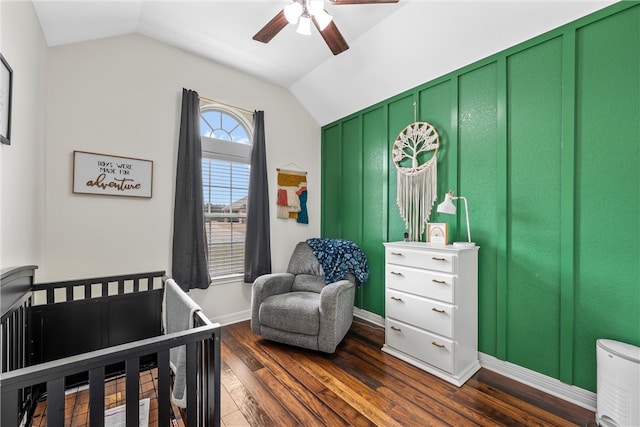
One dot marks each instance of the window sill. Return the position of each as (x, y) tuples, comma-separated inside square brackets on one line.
[(227, 280)]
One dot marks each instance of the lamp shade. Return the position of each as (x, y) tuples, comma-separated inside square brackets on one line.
[(447, 205)]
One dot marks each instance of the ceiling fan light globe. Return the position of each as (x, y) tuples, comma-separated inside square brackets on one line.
[(304, 26), (293, 12), (323, 19)]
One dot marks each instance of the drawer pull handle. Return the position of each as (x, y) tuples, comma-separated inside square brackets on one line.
[(396, 273), (396, 299), (442, 282), (437, 310), (438, 259), (396, 253), (396, 329), (436, 344)]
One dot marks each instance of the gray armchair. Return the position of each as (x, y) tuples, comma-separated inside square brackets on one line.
[(298, 308)]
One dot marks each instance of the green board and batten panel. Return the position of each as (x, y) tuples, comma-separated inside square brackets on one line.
[(350, 186), (534, 134), (400, 114), (477, 177), (331, 181), (543, 139), (374, 196), (607, 293)]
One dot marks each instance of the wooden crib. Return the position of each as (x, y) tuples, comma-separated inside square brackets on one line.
[(61, 334)]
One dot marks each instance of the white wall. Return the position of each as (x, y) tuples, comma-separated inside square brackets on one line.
[(424, 40), (122, 96), (22, 184)]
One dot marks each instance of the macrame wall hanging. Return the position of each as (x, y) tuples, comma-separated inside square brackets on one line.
[(417, 174)]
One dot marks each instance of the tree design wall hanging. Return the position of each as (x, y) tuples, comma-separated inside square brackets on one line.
[(417, 175)]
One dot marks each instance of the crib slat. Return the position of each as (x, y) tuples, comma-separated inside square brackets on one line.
[(20, 325), (163, 388), (136, 285), (15, 328), (132, 386), (55, 402), (5, 346), (213, 376), (120, 287), (105, 288), (96, 397), (69, 290), (202, 405), (191, 378)]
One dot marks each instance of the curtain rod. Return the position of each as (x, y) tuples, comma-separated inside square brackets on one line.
[(226, 105)]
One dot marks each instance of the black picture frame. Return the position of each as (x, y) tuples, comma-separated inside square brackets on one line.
[(6, 93)]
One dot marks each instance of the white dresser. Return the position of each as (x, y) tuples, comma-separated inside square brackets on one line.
[(431, 306)]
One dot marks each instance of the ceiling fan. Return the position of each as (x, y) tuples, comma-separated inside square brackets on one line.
[(302, 13)]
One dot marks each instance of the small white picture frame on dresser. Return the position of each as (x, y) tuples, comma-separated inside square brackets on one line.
[(438, 233)]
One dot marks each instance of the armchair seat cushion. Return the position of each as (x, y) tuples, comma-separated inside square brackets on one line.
[(302, 312)]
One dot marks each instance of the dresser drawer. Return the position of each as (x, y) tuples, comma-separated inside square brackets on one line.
[(430, 260), (426, 283), (422, 345), (432, 315)]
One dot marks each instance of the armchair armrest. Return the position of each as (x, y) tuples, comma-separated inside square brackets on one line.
[(336, 313), (263, 287)]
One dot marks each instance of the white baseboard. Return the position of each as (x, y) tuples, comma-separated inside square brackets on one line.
[(552, 386), (368, 316), (229, 319)]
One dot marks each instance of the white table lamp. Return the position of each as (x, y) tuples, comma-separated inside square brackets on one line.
[(447, 207)]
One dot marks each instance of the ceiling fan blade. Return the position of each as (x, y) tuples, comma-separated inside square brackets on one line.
[(272, 28), (340, 2), (332, 37)]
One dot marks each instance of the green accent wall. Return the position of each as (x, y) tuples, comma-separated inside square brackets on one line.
[(543, 139)]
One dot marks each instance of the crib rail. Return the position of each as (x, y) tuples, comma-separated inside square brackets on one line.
[(74, 290), (202, 368)]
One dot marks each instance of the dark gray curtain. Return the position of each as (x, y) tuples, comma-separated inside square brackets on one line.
[(257, 248), (189, 265)]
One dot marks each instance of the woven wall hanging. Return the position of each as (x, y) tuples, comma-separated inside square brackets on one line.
[(292, 195), (417, 175)]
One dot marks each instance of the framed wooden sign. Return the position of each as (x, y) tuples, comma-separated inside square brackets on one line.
[(111, 175)]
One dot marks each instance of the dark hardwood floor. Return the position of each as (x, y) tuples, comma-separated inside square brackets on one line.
[(279, 385)]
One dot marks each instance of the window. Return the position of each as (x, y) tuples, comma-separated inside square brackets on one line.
[(226, 154)]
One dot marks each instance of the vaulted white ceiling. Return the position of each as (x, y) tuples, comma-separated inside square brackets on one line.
[(393, 47)]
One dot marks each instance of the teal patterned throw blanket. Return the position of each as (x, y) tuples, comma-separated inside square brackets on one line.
[(339, 257)]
